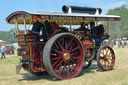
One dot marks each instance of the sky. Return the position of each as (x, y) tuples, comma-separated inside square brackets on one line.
[(9, 6)]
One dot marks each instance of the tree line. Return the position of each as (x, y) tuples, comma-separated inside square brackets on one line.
[(119, 29), (8, 36)]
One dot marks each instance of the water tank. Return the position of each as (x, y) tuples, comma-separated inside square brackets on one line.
[(77, 9)]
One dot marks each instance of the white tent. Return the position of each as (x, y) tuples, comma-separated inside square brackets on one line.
[(2, 42)]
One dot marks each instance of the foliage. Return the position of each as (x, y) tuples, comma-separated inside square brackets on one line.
[(119, 29), (7, 36)]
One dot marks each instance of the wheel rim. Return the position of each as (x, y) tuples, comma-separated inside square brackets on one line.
[(106, 58), (66, 57)]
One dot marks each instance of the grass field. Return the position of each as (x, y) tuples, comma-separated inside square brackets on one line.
[(90, 76)]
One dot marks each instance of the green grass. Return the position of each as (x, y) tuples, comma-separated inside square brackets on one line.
[(90, 76), (10, 59)]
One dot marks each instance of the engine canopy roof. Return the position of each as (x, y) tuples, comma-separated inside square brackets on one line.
[(60, 18)]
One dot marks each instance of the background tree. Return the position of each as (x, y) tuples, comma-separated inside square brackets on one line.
[(8, 36), (119, 29)]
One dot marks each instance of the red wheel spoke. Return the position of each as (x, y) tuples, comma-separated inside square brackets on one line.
[(59, 70), (60, 45), (73, 66), (73, 53), (76, 57), (75, 48), (56, 45), (60, 52), (69, 63), (63, 41), (55, 63), (72, 60), (70, 42), (56, 58), (63, 68), (59, 64), (70, 48), (75, 61)]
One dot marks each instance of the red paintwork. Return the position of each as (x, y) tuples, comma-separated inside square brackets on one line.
[(33, 51), (86, 42)]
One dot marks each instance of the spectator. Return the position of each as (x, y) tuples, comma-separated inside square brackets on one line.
[(119, 44), (2, 52), (112, 43), (122, 44)]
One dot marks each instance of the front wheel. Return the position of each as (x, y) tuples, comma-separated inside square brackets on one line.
[(105, 58), (63, 56)]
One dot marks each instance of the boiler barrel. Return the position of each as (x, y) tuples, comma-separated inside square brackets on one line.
[(78, 9)]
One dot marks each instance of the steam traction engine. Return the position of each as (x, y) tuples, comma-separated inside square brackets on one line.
[(67, 41)]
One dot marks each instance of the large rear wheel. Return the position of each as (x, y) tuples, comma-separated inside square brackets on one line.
[(63, 56)]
